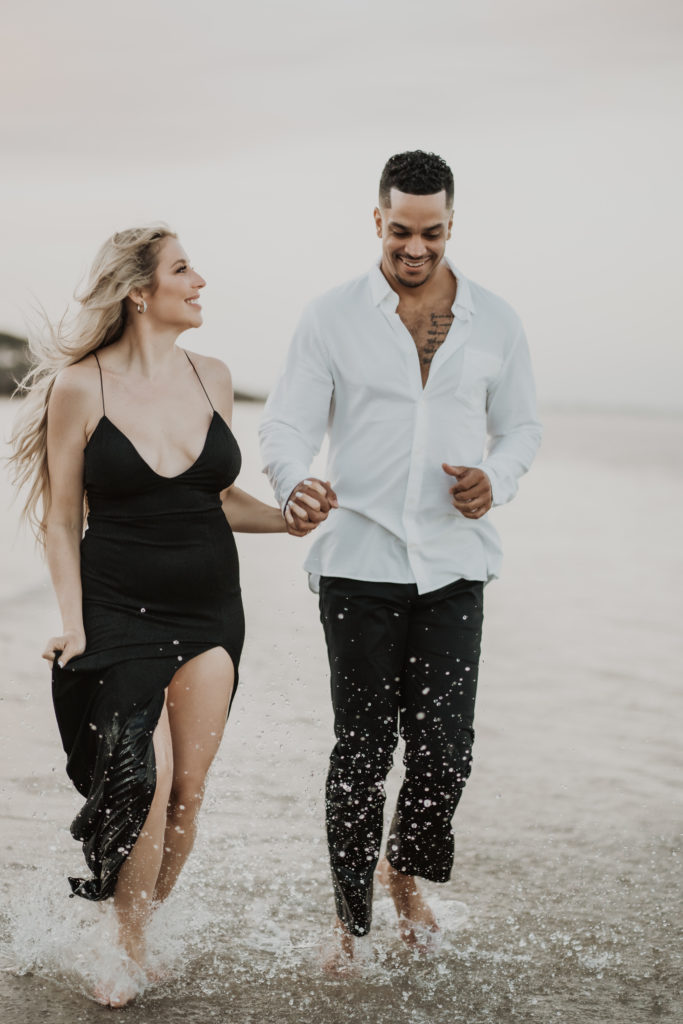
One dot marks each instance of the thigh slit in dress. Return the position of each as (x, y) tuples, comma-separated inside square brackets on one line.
[(160, 579)]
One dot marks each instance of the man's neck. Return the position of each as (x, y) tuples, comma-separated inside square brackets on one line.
[(440, 289)]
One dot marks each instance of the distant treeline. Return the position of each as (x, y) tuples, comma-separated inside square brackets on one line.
[(15, 362)]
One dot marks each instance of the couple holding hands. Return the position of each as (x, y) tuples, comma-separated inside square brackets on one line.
[(423, 382)]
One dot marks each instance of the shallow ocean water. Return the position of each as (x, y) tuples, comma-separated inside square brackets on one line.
[(564, 905), (247, 947)]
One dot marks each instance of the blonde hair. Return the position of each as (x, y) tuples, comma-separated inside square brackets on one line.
[(128, 260)]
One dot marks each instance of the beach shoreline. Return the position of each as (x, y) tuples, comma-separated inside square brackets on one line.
[(567, 851)]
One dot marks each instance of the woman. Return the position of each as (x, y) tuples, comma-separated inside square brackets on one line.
[(146, 665)]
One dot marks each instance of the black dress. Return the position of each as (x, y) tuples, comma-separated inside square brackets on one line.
[(160, 581)]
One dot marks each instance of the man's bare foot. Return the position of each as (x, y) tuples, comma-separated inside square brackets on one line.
[(416, 922), (339, 957)]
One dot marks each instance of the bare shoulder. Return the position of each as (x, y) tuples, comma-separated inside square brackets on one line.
[(216, 378), (76, 392), (213, 369), (78, 382)]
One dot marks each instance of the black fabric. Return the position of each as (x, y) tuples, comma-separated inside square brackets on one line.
[(161, 585), (408, 662)]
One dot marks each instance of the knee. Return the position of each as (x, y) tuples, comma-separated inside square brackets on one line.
[(187, 793), (364, 754), (440, 762)]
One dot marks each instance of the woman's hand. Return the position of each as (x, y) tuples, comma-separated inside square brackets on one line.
[(309, 505), (69, 644)]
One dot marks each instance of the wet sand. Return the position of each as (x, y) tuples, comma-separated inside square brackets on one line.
[(564, 904)]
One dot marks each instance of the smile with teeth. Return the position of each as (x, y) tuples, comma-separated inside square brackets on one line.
[(193, 301), (414, 264)]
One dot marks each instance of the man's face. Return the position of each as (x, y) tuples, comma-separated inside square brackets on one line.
[(414, 231)]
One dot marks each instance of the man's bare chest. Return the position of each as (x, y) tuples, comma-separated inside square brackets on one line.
[(428, 329)]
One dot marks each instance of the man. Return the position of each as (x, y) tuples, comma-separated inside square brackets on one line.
[(408, 367)]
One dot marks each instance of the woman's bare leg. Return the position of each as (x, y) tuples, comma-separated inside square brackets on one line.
[(198, 699)]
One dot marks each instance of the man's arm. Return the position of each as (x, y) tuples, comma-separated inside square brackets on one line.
[(295, 420), (515, 435), (512, 424)]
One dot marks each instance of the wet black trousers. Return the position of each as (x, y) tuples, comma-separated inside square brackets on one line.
[(408, 662)]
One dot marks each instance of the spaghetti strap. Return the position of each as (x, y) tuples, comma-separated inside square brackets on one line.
[(200, 380), (104, 413)]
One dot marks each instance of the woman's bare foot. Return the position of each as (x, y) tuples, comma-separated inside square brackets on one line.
[(416, 922), (339, 957), (120, 983), (157, 972)]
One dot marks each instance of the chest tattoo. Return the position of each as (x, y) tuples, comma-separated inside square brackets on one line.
[(428, 331)]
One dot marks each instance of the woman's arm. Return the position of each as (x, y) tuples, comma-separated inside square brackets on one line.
[(247, 514), (67, 422)]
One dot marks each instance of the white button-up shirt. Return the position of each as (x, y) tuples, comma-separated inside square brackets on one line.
[(353, 369)]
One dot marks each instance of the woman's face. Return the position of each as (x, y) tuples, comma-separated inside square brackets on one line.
[(175, 299)]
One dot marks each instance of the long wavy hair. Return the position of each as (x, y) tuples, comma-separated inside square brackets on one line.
[(128, 260)]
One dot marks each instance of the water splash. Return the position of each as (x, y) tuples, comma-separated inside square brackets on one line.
[(241, 932)]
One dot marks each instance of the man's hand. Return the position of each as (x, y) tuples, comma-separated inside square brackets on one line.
[(308, 505), (472, 493)]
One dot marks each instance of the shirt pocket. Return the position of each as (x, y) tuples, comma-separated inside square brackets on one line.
[(478, 370)]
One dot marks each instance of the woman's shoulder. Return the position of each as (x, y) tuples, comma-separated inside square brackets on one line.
[(78, 381), (211, 370), (75, 403)]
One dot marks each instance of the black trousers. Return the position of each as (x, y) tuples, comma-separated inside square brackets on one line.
[(403, 662)]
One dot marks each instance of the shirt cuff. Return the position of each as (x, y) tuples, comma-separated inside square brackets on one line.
[(492, 480), (285, 488)]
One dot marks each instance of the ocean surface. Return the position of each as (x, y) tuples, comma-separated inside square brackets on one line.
[(564, 905)]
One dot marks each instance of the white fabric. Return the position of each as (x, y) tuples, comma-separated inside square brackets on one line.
[(353, 369)]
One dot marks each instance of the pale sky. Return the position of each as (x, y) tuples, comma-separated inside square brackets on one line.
[(259, 132)]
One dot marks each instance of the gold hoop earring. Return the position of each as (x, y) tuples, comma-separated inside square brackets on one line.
[(142, 307)]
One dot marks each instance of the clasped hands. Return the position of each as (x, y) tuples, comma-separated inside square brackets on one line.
[(308, 505)]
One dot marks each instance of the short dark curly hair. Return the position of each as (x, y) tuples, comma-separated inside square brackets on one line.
[(418, 174)]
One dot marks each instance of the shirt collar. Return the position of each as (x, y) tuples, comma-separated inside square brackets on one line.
[(382, 292)]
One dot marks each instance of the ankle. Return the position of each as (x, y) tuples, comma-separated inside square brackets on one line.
[(345, 938), (397, 881), (132, 941)]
